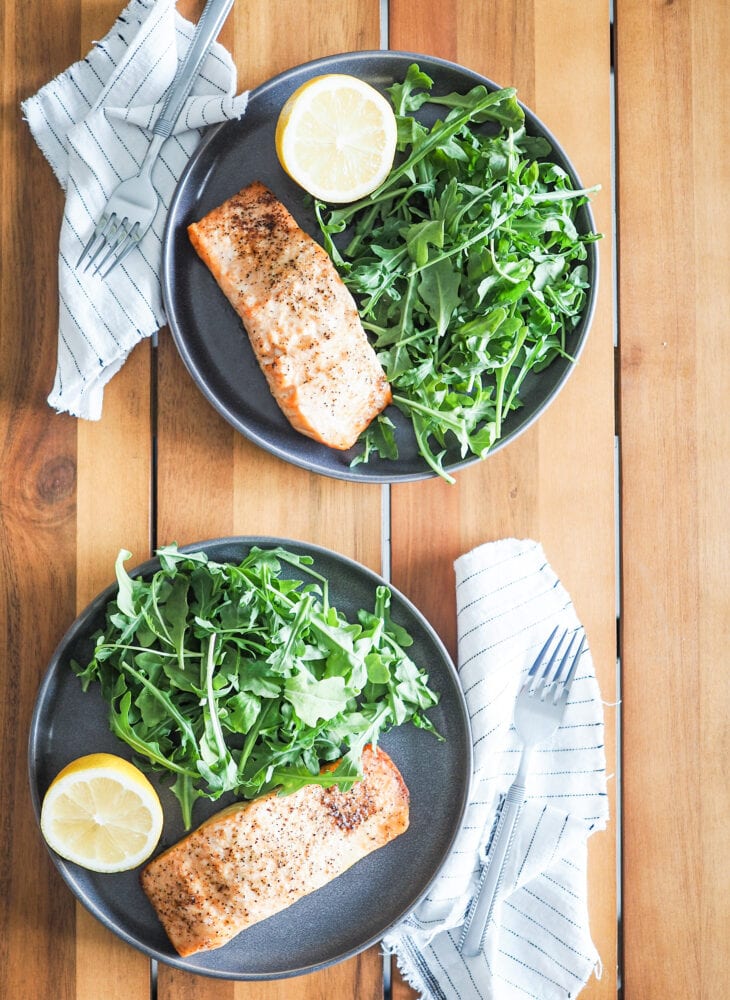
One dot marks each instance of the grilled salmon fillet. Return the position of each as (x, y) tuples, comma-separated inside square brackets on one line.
[(300, 318), (253, 859)]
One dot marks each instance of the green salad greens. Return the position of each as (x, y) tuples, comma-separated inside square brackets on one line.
[(235, 678), (467, 266)]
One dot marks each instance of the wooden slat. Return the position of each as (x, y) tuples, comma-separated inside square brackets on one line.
[(113, 512), (577, 523), (37, 550), (674, 338), (243, 490), (557, 55)]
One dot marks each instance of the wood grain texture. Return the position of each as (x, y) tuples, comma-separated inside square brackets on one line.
[(113, 511), (549, 51), (72, 493), (243, 490), (674, 336), (37, 507)]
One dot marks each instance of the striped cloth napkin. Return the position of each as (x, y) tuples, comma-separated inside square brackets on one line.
[(93, 123), (538, 944)]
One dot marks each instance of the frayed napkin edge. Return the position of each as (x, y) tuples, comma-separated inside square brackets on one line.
[(407, 960), (33, 116), (89, 393)]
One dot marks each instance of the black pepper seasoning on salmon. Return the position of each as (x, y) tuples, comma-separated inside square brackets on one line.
[(256, 858), (300, 317)]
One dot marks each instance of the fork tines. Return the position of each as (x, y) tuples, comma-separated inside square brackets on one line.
[(118, 237), (557, 669)]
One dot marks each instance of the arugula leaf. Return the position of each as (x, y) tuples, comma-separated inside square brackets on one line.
[(241, 712), (125, 597), (292, 779), (439, 290), (239, 679), (315, 700), (122, 727), (403, 94), (467, 265)]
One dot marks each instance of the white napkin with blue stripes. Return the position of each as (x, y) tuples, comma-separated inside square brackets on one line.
[(538, 944), (93, 123)]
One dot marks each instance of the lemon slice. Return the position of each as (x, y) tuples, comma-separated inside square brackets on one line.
[(102, 813), (336, 137)]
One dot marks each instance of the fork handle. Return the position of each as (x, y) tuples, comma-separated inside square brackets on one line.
[(490, 881), (208, 27)]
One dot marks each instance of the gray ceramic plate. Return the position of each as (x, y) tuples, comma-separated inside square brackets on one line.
[(350, 913), (208, 333)]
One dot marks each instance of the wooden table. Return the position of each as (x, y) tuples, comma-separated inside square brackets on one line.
[(162, 466)]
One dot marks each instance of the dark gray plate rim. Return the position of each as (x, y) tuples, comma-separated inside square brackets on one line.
[(209, 335), (352, 912)]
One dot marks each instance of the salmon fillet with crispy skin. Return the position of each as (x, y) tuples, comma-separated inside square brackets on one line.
[(254, 859), (300, 317)]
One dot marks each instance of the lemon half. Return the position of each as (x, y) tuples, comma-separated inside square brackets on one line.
[(102, 813), (336, 137)]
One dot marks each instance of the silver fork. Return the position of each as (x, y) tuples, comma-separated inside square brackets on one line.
[(538, 711), (132, 206)]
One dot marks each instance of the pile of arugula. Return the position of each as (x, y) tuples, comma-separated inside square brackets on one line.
[(467, 266), (234, 678)]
